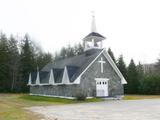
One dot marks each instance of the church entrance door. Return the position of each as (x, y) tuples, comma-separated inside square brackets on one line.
[(101, 87)]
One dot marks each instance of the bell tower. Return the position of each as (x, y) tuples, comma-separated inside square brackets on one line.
[(94, 39)]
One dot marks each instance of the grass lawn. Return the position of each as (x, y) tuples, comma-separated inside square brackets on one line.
[(140, 97), (12, 105)]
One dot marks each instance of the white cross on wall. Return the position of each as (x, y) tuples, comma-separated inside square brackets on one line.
[(101, 62)]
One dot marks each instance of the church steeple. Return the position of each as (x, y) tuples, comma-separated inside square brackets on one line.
[(93, 25), (94, 39)]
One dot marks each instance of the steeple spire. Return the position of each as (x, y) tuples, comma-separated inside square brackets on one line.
[(93, 40), (93, 26)]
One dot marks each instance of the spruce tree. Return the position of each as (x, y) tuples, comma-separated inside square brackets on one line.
[(157, 66), (80, 49), (111, 55), (141, 77), (70, 51), (28, 63), (4, 64), (122, 66), (14, 59), (140, 71), (43, 59), (63, 53), (132, 79)]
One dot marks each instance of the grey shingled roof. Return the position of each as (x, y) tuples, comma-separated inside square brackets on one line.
[(75, 65), (95, 34)]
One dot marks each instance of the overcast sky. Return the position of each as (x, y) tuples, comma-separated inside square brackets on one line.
[(132, 27)]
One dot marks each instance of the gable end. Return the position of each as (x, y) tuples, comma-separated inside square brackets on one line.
[(111, 62)]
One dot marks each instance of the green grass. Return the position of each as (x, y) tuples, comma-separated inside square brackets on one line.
[(12, 105), (49, 100), (56, 100), (12, 108), (141, 97)]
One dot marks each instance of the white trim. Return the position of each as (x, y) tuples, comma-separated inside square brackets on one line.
[(57, 96), (43, 84), (123, 81), (102, 87), (29, 80), (37, 79), (91, 47), (33, 85), (78, 80), (51, 78), (98, 79), (107, 56), (65, 78), (101, 62), (52, 96), (88, 67)]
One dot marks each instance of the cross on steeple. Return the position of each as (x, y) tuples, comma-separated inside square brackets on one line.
[(101, 62)]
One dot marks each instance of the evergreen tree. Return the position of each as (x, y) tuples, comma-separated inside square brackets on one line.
[(70, 51), (43, 59), (16, 64), (122, 66), (111, 55), (140, 71), (132, 79), (79, 49), (4, 63), (14, 59), (28, 63), (141, 77), (157, 66), (63, 53)]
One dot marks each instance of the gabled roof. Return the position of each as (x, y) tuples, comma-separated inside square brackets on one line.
[(75, 65), (123, 81), (114, 66)]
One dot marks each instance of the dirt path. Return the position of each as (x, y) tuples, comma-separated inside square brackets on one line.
[(108, 110)]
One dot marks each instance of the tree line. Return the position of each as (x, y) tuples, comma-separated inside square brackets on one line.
[(17, 59), (138, 82), (20, 56)]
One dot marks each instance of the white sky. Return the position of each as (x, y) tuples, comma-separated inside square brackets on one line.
[(132, 27)]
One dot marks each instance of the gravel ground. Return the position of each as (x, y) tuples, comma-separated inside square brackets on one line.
[(108, 110)]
